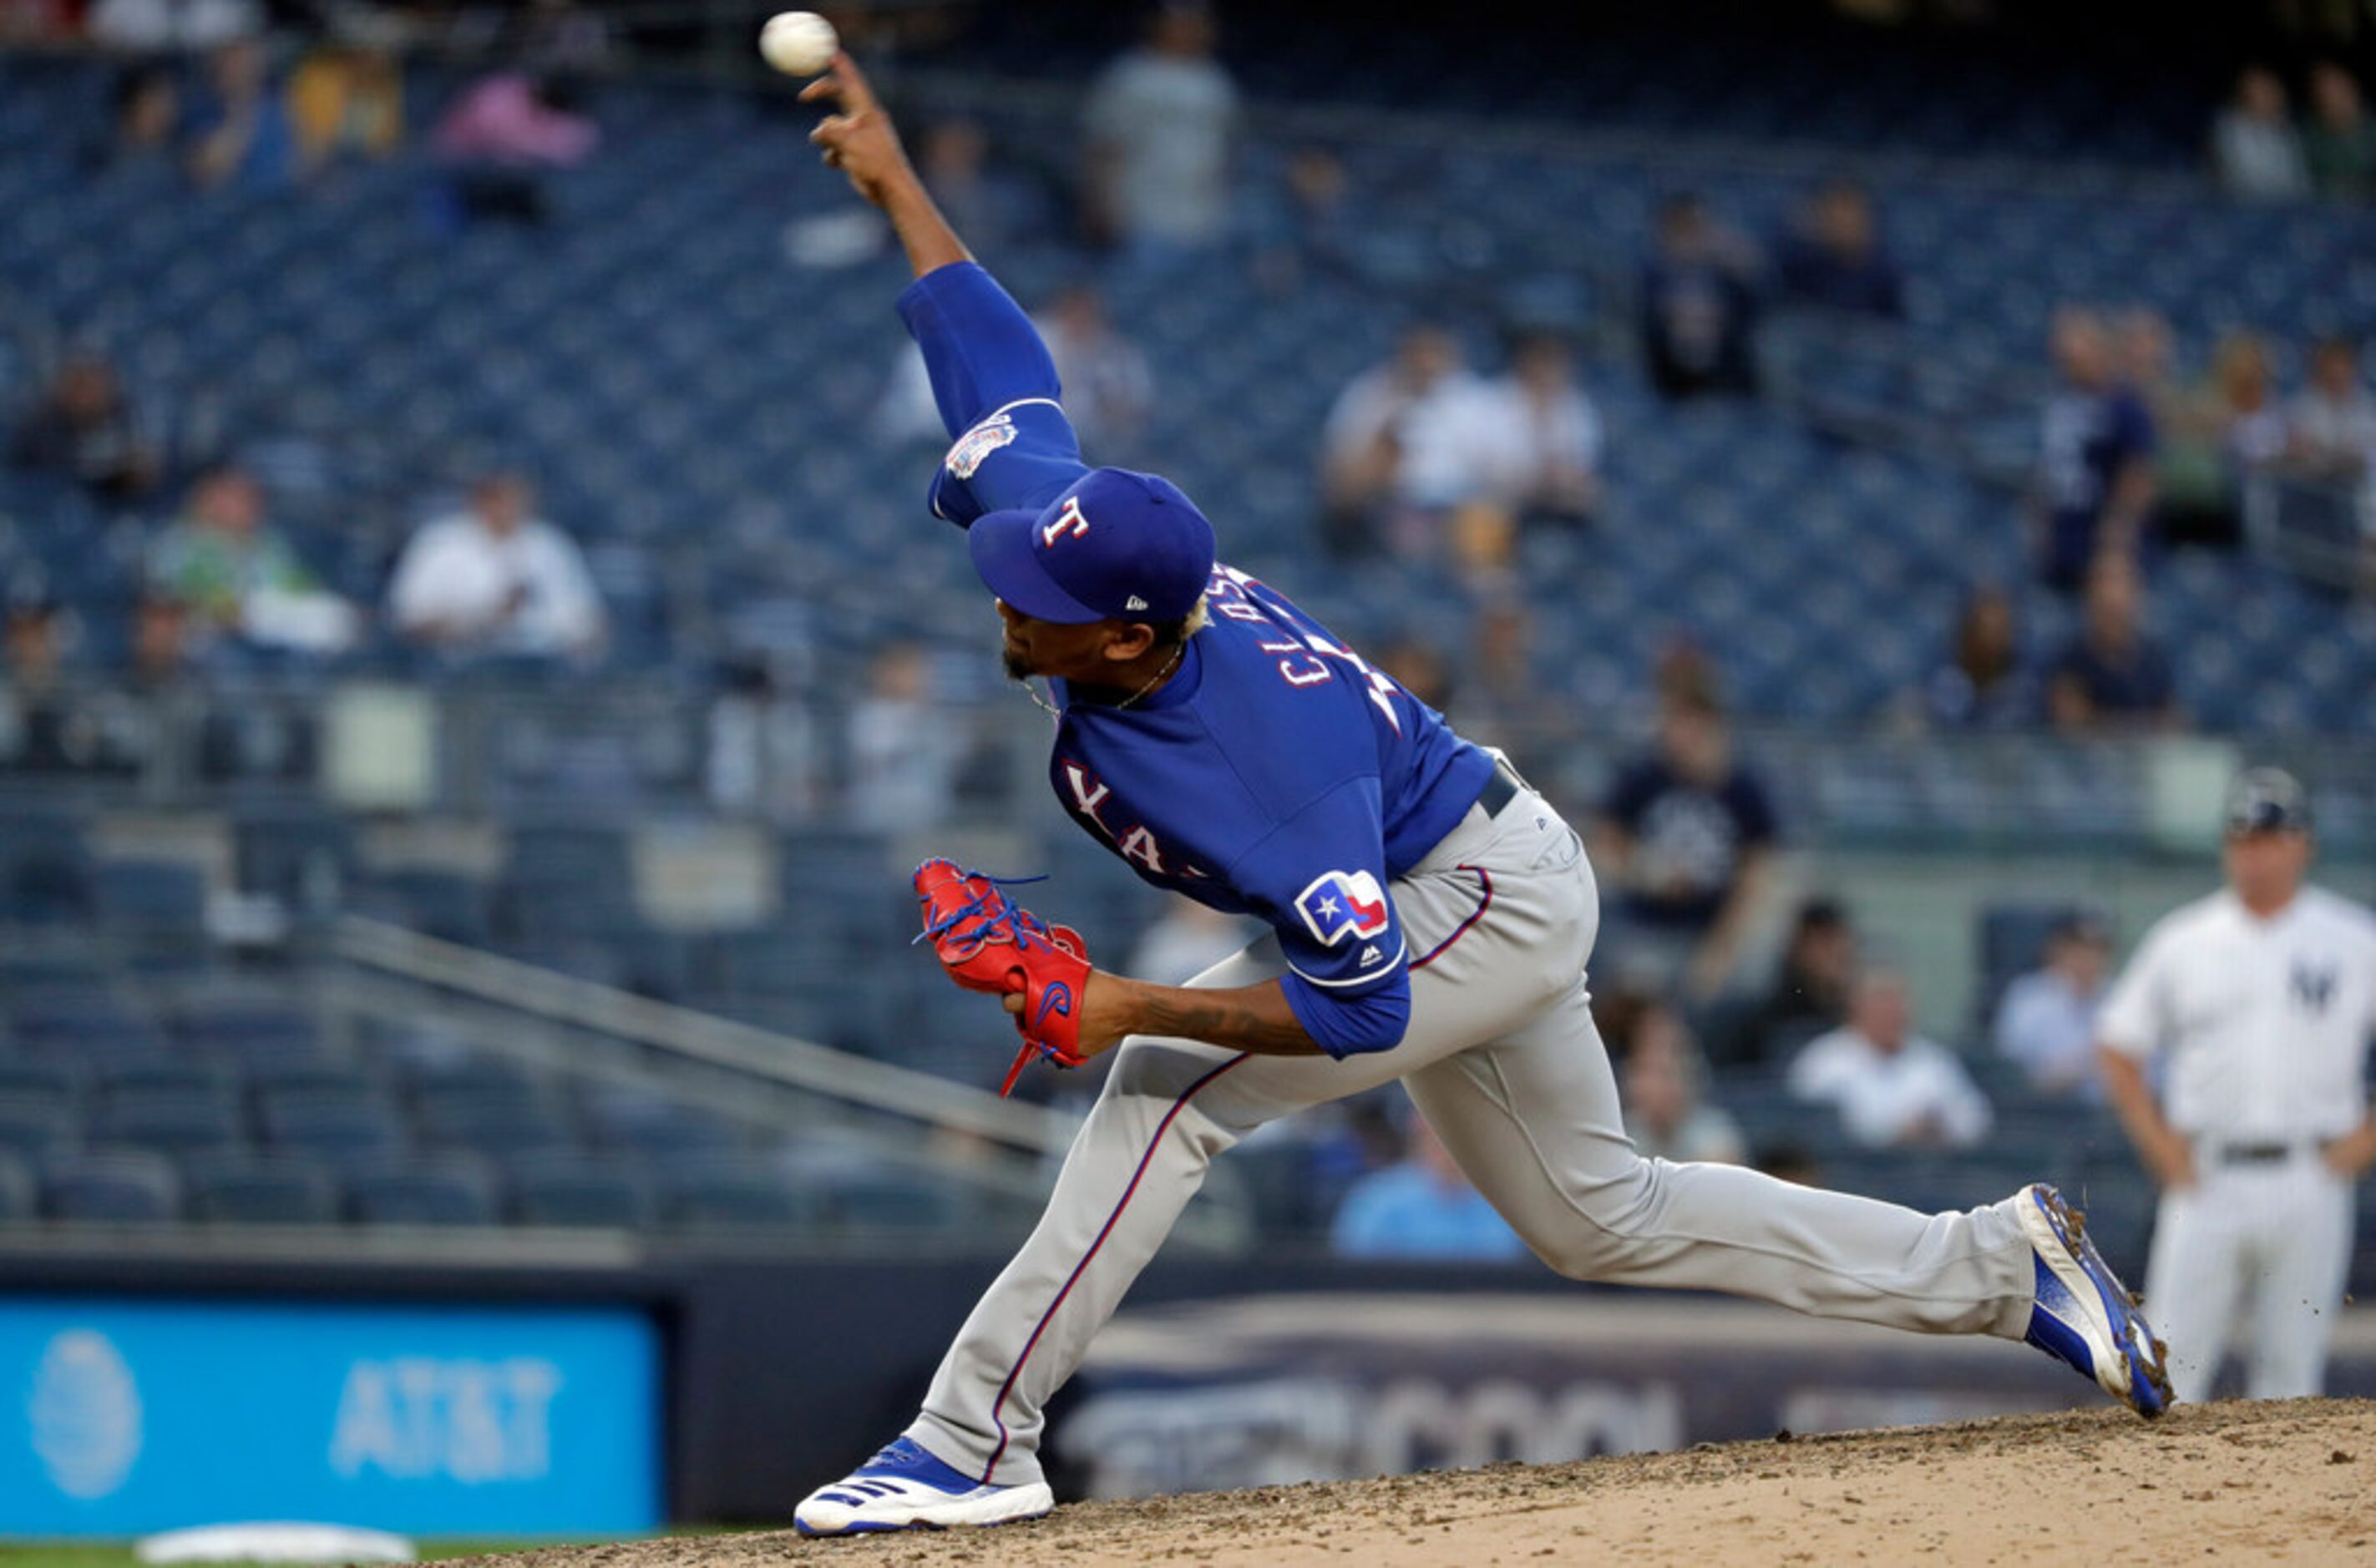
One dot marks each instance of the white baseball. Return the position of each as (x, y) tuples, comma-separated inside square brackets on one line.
[(799, 44)]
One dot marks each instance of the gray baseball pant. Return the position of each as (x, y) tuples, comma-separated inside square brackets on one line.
[(1502, 1058)]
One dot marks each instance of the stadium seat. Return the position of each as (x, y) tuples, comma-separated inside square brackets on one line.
[(34, 1124), (176, 1122), (571, 1190), (20, 1194), (346, 1131), (112, 1185), (249, 1189), (435, 1190), (711, 1192)]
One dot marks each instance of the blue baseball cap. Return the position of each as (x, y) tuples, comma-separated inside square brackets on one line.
[(1114, 546)]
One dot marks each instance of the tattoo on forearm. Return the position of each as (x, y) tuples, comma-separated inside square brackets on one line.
[(1242, 1020)]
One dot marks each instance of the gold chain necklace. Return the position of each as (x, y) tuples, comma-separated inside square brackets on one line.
[(1152, 682)]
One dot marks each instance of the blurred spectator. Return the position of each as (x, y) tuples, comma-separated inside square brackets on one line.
[(1406, 443), (1833, 257), (1548, 469), (2046, 1020), (39, 731), (564, 37), (1985, 684), (2113, 676), (1891, 1086), (1699, 303), (2096, 447), (1500, 699), (240, 130), (1158, 125), (2215, 440), (39, 22), (1685, 838), (1419, 667), (904, 748), (1665, 1114), (1421, 1209), (501, 138), (237, 578), (2339, 146), (151, 26), (147, 120), (160, 643), (346, 99), (1108, 388), (1315, 238), (1809, 993), (494, 579), (1186, 942), (2331, 424), (2253, 144), (84, 428), (979, 196)]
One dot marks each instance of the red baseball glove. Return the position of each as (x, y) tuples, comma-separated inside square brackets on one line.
[(989, 943)]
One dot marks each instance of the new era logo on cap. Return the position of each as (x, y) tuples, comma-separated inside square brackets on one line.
[(1113, 543)]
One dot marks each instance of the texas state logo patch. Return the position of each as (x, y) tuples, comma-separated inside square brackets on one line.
[(1340, 904)]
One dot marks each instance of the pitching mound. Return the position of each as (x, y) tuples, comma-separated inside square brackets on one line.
[(2228, 1482)]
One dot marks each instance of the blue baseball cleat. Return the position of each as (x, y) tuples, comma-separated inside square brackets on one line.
[(903, 1488), (2084, 1315)]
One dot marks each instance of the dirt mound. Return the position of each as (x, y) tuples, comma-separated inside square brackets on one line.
[(2228, 1481)]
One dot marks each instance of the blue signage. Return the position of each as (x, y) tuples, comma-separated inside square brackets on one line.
[(120, 1416)]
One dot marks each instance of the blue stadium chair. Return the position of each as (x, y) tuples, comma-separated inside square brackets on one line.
[(176, 1122), (573, 1190), (438, 904), (621, 1118), (122, 1186), (469, 1119), (435, 1190), (310, 1075), (84, 1028), (346, 1131), (251, 1189), (165, 896), (20, 1194), (730, 1192), (42, 1080), (34, 1124), (247, 1028)]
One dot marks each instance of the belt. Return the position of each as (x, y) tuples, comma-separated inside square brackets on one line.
[(1502, 788), (2257, 1154)]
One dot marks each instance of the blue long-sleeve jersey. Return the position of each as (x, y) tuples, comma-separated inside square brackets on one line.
[(1275, 774)]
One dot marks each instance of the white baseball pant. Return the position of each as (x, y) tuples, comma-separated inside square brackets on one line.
[(1502, 1058), (2272, 1239)]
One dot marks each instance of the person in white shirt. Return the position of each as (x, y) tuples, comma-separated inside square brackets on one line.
[(1891, 1088), (154, 26), (1159, 121), (2258, 1001), (1407, 443), (1548, 468), (497, 579), (2254, 145), (2047, 1020)]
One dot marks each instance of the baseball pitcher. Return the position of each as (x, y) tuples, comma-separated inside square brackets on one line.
[(1429, 918)]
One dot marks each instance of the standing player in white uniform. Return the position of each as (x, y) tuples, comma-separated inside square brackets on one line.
[(2259, 999), (1227, 746)]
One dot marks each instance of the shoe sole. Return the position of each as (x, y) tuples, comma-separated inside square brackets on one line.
[(1033, 1500), (2147, 1389)]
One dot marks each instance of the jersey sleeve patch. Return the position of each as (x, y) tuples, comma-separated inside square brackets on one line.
[(1341, 903), (977, 444)]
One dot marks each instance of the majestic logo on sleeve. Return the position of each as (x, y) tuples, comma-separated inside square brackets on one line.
[(1342, 903), (977, 444)]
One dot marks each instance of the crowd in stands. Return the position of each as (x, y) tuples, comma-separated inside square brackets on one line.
[(1446, 461)]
